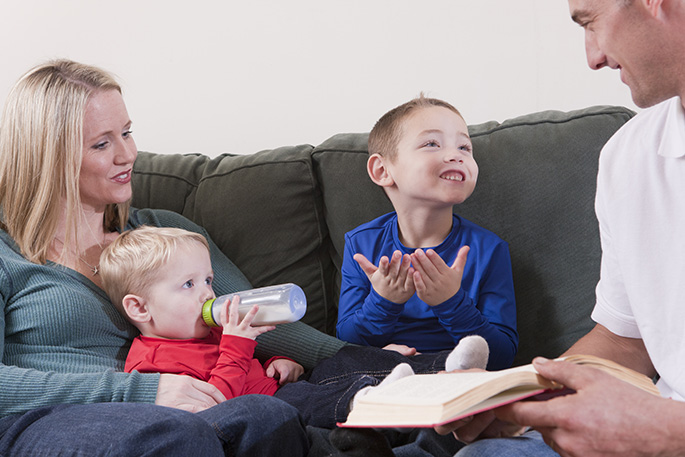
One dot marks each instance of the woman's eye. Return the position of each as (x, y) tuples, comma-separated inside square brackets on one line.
[(127, 133), (100, 145)]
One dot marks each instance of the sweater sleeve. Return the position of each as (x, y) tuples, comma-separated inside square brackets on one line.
[(24, 389), (53, 351), (296, 340)]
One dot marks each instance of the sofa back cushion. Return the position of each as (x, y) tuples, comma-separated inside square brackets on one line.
[(535, 189), (263, 210)]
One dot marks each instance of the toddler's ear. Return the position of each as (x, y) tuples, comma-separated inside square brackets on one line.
[(136, 308), (378, 172)]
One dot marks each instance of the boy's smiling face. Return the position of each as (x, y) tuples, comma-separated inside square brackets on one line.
[(434, 164)]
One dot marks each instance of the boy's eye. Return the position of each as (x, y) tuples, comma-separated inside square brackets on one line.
[(188, 284)]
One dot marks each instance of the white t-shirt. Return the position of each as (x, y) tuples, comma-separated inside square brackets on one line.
[(641, 210)]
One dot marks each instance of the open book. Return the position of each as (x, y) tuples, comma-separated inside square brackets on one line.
[(427, 400)]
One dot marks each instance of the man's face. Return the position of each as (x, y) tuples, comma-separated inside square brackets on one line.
[(629, 38)]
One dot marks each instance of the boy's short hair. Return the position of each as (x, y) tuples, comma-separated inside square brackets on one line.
[(385, 135), (131, 263)]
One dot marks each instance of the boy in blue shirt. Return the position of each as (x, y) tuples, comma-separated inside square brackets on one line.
[(422, 276)]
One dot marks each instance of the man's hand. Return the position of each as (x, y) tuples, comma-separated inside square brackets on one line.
[(480, 426), (286, 371), (189, 394), (392, 278), (436, 282), (604, 417)]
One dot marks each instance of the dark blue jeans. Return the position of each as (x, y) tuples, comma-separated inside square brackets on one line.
[(244, 426), (323, 394)]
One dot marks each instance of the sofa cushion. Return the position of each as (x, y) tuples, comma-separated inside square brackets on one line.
[(535, 190), (263, 210)]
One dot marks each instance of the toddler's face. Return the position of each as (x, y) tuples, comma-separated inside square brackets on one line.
[(175, 301), (434, 164)]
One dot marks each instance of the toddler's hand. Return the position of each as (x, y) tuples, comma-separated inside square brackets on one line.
[(234, 326), (392, 278), (284, 370), (436, 282)]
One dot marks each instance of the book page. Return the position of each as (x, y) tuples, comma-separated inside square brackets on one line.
[(425, 389)]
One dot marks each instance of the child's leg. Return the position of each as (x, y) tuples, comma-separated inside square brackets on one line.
[(471, 352), (324, 405)]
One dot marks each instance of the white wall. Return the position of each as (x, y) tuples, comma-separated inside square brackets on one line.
[(241, 76)]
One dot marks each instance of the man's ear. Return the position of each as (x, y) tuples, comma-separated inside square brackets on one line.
[(378, 172), (136, 308), (654, 7)]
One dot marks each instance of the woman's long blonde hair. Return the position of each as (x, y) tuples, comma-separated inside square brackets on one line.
[(41, 141)]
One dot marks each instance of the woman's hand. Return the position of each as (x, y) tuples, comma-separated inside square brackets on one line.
[(189, 394)]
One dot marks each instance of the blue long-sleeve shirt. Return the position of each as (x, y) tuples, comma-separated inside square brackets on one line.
[(484, 305)]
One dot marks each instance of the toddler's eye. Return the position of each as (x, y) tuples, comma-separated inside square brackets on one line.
[(431, 144), (209, 280), (466, 148), (188, 284)]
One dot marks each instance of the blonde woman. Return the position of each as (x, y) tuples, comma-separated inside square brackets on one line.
[(66, 160)]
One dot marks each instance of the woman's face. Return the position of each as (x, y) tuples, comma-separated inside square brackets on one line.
[(108, 151)]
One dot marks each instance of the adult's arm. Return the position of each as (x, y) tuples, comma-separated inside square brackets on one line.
[(296, 340), (629, 352), (600, 342), (604, 417)]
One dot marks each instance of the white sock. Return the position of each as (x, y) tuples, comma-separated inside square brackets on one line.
[(400, 371), (471, 352)]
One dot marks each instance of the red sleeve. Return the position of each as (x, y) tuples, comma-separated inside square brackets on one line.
[(230, 373)]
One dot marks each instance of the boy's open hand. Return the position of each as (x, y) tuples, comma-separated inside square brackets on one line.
[(436, 282), (284, 370), (392, 278), (234, 326)]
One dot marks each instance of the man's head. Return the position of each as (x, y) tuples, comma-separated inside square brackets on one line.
[(643, 39), (159, 278)]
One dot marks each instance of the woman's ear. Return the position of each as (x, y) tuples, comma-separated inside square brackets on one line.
[(378, 171), (136, 308)]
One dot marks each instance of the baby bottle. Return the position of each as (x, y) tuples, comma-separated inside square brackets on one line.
[(277, 305)]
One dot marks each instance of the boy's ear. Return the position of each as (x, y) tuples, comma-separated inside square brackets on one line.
[(378, 172), (136, 308)]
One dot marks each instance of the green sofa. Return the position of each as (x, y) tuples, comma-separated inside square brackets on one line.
[(281, 214)]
